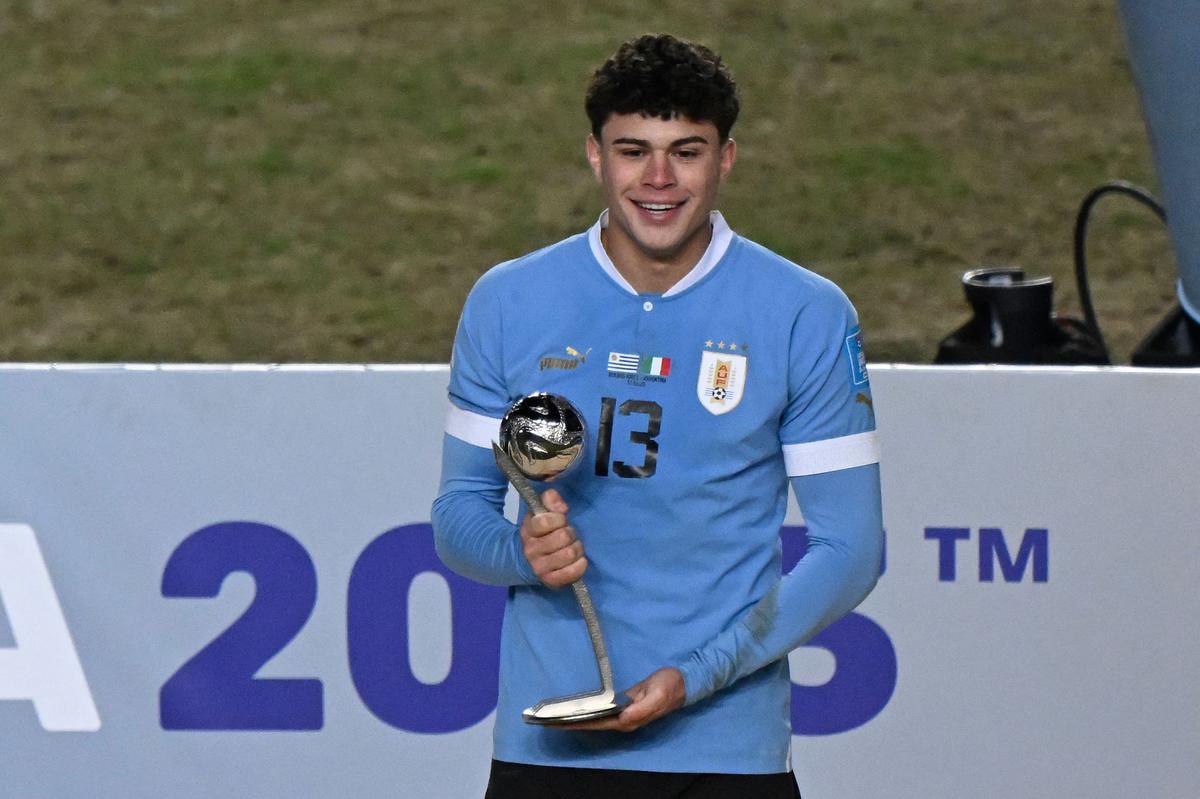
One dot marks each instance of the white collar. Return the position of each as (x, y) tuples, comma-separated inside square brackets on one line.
[(722, 237)]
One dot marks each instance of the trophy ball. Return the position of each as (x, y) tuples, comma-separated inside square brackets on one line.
[(544, 435)]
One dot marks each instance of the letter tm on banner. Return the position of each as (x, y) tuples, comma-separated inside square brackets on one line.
[(993, 550)]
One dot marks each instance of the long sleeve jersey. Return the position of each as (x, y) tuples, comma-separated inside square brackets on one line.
[(701, 404)]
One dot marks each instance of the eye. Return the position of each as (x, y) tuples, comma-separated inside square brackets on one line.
[(631, 152), (687, 155)]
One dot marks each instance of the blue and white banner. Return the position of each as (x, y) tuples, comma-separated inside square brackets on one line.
[(221, 581)]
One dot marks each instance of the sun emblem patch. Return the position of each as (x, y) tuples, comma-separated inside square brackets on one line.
[(722, 379)]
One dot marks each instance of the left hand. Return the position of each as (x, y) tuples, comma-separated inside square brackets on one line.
[(654, 697)]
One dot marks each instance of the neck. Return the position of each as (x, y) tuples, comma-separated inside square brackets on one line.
[(651, 274)]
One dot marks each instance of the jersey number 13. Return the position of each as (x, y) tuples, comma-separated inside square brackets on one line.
[(644, 437)]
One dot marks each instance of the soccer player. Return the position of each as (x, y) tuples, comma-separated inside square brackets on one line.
[(711, 373)]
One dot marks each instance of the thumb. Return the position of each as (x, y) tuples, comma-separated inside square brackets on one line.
[(636, 694), (554, 501), (637, 691)]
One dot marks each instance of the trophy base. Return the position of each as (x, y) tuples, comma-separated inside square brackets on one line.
[(571, 709)]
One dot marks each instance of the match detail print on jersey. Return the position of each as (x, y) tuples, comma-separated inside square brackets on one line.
[(639, 368)]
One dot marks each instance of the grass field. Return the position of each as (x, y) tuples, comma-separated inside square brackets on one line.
[(292, 180)]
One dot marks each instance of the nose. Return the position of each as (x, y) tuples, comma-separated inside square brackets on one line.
[(659, 174)]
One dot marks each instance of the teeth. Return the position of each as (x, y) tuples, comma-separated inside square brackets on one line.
[(658, 206)]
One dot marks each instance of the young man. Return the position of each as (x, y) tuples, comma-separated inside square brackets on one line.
[(710, 372)]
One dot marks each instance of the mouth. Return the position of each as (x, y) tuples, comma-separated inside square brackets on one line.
[(658, 210)]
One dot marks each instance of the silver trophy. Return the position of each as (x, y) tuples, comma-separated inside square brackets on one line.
[(541, 436)]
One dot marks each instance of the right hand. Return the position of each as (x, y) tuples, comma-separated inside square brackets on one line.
[(550, 544)]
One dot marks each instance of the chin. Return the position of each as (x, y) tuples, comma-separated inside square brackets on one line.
[(657, 248), (667, 244)]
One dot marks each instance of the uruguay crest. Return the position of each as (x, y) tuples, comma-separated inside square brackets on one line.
[(722, 381)]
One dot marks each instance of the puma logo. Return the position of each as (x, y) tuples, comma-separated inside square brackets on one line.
[(577, 357)]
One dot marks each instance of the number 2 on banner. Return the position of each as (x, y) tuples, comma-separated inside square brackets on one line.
[(217, 689)]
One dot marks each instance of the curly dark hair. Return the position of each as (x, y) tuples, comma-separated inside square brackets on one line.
[(658, 75)]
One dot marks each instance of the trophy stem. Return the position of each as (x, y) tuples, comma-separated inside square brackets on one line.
[(593, 628), (577, 707)]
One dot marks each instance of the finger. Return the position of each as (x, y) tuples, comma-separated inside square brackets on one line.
[(641, 690), (636, 692), (566, 575), (553, 501), (562, 538), (640, 712), (556, 560), (543, 523), (652, 698), (609, 723)]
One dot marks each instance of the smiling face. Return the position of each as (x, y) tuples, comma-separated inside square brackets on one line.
[(660, 180)]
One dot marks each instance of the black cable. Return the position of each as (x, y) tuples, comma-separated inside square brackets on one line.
[(1081, 223)]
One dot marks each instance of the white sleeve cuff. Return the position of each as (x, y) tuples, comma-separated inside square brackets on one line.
[(473, 428), (832, 454)]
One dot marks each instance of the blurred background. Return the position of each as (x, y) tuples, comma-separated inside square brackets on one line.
[(293, 180)]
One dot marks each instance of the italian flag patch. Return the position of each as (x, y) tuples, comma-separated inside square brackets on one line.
[(654, 366)]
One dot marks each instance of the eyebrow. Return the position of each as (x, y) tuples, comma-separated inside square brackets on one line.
[(646, 144)]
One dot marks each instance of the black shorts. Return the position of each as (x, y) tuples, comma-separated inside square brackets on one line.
[(523, 781)]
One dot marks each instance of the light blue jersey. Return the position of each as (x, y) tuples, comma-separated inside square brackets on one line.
[(700, 404)]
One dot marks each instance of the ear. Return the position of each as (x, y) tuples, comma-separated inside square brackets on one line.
[(728, 156), (593, 156)]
